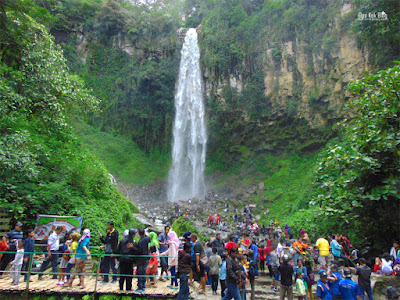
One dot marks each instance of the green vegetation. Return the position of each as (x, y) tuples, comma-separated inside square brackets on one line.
[(122, 157), (182, 225), (44, 168), (358, 179)]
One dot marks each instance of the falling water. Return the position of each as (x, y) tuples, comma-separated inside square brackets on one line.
[(186, 177)]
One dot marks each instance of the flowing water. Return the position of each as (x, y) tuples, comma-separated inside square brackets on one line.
[(186, 177)]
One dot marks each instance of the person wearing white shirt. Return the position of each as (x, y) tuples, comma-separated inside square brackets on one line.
[(16, 264), (279, 249), (53, 245)]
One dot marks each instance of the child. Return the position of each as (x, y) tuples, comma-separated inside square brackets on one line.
[(222, 275), (300, 287), (64, 259), (152, 267), (16, 264)]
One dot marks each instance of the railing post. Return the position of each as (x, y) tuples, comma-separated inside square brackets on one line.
[(28, 278), (97, 276)]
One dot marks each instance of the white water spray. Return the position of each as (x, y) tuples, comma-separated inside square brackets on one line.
[(186, 177)]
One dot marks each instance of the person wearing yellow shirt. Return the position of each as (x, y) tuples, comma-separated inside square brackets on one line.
[(323, 247)]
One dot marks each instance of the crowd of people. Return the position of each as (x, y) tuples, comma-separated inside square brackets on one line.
[(233, 264)]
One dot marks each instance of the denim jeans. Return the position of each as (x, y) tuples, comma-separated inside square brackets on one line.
[(184, 287), (369, 293), (68, 270), (54, 264), (232, 291), (174, 280), (295, 258), (106, 264), (141, 270)]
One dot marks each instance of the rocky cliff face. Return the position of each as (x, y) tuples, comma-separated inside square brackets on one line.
[(305, 87)]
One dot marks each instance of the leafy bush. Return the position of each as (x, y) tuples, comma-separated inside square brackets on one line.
[(44, 169), (358, 180)]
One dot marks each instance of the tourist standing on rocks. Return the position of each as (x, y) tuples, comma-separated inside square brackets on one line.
[(394, 251), (218, 243), (274, 271), (53, 245), (215, 264), (110, 242), (184, 267), (323, 289), (163, 240), (323, 246), (299, 247), (286, 272), (229, 245), (10, 240), (300, 286), (336, 248), (198, 266), (334, 280), (364, 279), (348, 288), (262, 253), (233, 276), (222, 275)]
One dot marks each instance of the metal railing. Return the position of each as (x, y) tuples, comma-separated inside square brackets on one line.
[(97, 274)]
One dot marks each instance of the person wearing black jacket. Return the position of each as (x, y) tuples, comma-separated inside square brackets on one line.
[(219, 244), (286, 271), (126, 247), (233, 276), (110, 242), (143, 247)]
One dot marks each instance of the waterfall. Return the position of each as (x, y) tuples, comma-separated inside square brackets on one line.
[(186, 177)]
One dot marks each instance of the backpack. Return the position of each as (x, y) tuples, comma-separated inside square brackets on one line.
[(253, 268)]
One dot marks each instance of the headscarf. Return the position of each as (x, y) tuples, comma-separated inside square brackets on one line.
[(153, 239), (173, 239), (287, 227), (126, 232), (86, 233)]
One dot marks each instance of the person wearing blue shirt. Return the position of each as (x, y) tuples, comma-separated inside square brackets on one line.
[(163, 240), (255, 250), (336, 248), (222, 275), (29, 249), (323, 290), (334, 280), (300, 267), (349, 290)]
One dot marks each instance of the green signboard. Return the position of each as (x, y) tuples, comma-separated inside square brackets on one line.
[(45, 224)]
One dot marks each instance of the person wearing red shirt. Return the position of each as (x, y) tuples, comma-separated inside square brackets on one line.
[(211, 219), (229, 245)]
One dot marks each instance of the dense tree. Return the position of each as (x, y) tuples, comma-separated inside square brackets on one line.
[(358, 180), (43, 166)]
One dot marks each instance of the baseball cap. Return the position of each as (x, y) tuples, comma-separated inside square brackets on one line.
[(322, 273)]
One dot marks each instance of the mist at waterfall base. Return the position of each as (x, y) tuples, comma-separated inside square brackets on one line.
[(186, 177)]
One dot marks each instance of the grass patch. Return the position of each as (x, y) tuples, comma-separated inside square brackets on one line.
[(122, 157)]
